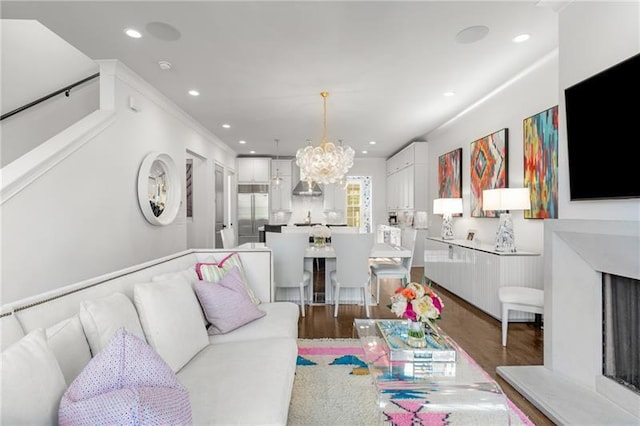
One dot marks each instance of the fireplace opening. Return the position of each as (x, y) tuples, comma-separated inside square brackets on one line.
[(621, 330)]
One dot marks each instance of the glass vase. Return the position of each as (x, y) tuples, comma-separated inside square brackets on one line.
[(415, 334), (319, 241)]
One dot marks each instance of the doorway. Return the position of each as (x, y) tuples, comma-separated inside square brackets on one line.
[(219, 203), (197, 207)]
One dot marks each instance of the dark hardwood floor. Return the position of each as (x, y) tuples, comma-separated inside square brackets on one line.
[(475, 331)]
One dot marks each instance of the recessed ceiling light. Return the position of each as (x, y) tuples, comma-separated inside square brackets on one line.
[(521, 38), (132, 33), (372, 142), (194, 93), (472, 34), (252, 152), (226, 126), (365, 152), (164, 65), (447, 94), (242, 142)]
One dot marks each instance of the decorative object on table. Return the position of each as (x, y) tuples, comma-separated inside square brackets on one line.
[(159, 189), (488, 168), (320, 234), (471, 234), (447, 207), (435, 349), (420, 305), (450, 175), (541, 163), (504, 200), (326, 163)]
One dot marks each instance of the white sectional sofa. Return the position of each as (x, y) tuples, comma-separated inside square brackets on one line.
[(244, 376)]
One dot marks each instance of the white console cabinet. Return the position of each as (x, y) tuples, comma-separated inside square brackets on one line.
[(476, 272)]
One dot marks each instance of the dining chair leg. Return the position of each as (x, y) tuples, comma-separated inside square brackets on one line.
[(336, 295), (365, 297), (302, 297), (377, 289)]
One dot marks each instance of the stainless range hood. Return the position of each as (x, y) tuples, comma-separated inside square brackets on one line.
[(302, 188)]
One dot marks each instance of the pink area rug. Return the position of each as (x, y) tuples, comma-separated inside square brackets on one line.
[(332, 387)]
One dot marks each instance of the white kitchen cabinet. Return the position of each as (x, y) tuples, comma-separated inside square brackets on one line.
[(407, 179), (281, 194), (254, 170), (476, 272), (335, 197)]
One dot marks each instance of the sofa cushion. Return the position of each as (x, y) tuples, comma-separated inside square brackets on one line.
[(226, 303), (214, 271), (32, 382), (280, 320), (69, 344), (246, 383), (171, 318), (10, 331), (102, 317), (126, 383)]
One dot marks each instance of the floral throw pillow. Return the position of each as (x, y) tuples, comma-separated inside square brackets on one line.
[(226, 303), (214, 272), (126, 383)]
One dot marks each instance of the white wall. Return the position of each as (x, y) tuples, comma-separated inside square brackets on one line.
[(593, 37), (533, 91), (82, 218)]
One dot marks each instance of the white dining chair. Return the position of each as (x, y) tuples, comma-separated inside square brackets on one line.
[(352, 265), (400, 268), (288, 262), (228, 236)]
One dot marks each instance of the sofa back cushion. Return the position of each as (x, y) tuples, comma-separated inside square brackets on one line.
[(171, 318), (69, 344), (102, 317), (10, 331), (32, 382), (126, 383)]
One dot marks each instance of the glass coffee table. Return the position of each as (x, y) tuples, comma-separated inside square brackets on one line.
[(416, 389)]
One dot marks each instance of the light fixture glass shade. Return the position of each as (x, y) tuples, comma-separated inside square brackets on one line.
[(505, 199), (447, 207), (276, 180), (327, 163)]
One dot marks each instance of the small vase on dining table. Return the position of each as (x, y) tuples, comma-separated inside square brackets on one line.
[(319, 241), (415, 334)]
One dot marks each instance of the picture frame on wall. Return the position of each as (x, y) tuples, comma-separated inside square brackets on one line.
[(488, 168), (450, 175), (540, 143)]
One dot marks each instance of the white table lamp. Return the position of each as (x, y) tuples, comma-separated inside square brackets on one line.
[(504, 200), (447, 207)]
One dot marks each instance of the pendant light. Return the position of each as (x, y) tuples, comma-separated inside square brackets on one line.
[(276, 180)]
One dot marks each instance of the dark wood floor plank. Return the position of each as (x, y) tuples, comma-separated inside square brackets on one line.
[(476, 332)]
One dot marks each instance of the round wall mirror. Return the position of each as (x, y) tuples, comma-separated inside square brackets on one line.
[(159, 189)]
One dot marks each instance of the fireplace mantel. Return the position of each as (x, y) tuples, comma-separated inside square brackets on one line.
[(570, 387)]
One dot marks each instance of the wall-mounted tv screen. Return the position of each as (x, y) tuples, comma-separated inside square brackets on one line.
[(603, 133)]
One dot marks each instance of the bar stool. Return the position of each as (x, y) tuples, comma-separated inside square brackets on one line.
[(519, 299)]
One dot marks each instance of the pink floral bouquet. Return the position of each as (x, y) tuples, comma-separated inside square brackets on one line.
[(416, 302)]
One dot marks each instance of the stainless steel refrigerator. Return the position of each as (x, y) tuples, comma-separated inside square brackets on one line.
[(253, 211)]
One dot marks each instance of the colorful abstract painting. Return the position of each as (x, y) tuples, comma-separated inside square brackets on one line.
[(540, 134), (488, 169), (450, 174)]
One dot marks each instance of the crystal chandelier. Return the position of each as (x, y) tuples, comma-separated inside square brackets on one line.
[(326, 163)]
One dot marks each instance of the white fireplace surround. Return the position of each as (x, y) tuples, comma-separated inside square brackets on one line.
[(570, 387)]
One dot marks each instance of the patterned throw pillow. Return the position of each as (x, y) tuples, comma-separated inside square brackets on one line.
[(213, 272), (125, 383), (226, 303)]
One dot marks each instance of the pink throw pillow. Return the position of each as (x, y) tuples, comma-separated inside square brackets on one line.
[(226, 304), (125, 383)]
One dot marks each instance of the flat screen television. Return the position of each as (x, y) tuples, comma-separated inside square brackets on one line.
[(603, 133)]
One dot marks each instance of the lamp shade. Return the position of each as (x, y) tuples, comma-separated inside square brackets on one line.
[(447, 205), (506, 199)]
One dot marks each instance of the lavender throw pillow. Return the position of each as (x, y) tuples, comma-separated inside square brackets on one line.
[(125, 383), (226, 303)]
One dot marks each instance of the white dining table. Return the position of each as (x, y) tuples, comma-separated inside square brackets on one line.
[(379, 250)]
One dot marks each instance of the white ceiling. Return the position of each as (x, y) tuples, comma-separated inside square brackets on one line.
[(260, 66)]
